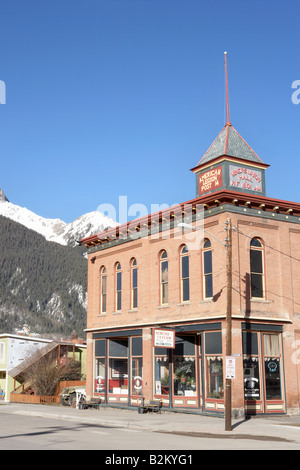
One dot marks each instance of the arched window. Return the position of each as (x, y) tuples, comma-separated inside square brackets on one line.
[(257, 268), (103, 289), (118, 287), (164, 278), (184, 272), (207, 270), (134, 284)]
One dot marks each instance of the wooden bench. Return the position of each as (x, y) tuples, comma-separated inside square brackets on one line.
[(151, 406), (90, 403), (94, 403)]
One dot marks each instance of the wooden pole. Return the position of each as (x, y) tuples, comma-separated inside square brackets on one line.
[(228, 425)]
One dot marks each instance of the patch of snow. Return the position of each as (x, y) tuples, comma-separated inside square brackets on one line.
[(56, 230)]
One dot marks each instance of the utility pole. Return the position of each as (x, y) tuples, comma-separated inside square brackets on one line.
[(228, 339), (228, 426)]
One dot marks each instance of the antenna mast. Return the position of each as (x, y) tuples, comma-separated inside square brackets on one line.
[(227, 101)]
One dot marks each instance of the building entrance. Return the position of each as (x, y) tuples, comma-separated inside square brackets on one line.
[(262, 369)]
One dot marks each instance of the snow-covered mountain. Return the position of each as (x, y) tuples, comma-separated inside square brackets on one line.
[(56, 230)]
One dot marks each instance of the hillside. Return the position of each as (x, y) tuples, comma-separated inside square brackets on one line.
[(42, 283)]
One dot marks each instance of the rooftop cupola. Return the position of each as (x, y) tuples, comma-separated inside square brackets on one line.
[(230, 163)]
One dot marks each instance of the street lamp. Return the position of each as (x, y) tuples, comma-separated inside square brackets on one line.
[(228, 337)]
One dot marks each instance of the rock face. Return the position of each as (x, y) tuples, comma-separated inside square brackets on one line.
[(3, 198)]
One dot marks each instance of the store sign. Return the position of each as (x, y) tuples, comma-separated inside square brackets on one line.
[(251, 388), (230, 367), (245, 178), (164, 338), (210, 180), (137, 383)]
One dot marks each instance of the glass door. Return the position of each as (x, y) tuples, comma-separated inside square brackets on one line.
[(162, 375), (263, 386), (185, 383), (118, 371)]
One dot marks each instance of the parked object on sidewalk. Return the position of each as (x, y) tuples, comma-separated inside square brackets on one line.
[(150, 405), (68, 395)]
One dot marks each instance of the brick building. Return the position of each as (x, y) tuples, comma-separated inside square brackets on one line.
[(157, 295)]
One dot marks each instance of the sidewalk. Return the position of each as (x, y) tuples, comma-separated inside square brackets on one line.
[(279, 428)]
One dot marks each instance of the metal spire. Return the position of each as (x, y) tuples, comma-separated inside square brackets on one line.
[(228, 123)]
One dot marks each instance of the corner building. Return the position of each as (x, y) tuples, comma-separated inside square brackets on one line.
[(155, 274)]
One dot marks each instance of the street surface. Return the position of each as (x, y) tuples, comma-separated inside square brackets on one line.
[(25, 427)]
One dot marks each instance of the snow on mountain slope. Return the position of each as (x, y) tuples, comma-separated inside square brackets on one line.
[(56, 230), (88, 224)]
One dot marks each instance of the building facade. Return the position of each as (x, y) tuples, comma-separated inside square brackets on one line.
[(14, 349), (158, 296), (18, 352)]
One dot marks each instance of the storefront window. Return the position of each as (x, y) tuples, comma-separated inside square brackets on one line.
[(137, 366), (251, 378), (100, 375), (184, 366), (184, 376), (161, 375), (262, 349), (272, 366), (137, 376), (215, 377), (99, 382), (251, 366), (214, 365), (118, 367), (272, 377)]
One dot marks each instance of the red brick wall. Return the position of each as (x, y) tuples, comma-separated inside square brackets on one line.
[(282, 275)]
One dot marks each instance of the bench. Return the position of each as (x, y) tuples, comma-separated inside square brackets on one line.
[(93, 403), (85, 402), (151, 406)]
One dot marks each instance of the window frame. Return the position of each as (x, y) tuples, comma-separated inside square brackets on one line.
[(118, 291), (258, 249), (184, 279), (163, 283), (205, 275), (133, 288), (103, 294)]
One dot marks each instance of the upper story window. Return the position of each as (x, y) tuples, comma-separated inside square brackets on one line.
[(164, 278), (184, 273), (207, 270), (103, 289), (118, 287), (134, 284), (257, 268)]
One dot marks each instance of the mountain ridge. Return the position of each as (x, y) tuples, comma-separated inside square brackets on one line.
[(56, 230), (42, 284), (43, 270)]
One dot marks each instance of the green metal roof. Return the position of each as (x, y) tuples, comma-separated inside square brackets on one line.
[(229, 143)]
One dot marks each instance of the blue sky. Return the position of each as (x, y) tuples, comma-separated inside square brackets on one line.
[(109, 98)]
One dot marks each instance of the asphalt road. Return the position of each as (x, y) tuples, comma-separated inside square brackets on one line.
[(25, 432)]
